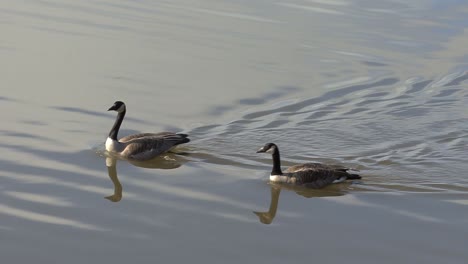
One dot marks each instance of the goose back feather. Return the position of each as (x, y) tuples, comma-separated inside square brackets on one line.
[(315, 166), (151, 145)]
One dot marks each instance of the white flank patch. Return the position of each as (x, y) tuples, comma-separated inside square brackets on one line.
[(342, 179), (110, 144), (278, 178)]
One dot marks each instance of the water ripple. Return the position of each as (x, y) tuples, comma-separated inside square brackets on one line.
[(394, 129)]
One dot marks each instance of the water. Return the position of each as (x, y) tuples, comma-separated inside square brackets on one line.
[(377, 86)]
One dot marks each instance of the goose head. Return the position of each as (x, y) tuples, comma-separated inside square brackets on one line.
[(118, 106), (268, 148)]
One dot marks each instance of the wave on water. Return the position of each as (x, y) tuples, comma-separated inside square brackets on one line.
[(412, 132)]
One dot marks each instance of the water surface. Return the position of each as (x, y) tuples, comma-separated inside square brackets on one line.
[(376, 86)]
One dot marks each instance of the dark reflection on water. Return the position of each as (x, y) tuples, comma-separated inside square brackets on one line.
[(332, 95), (104, 114), (275, 190), (96, 113), (26, 135), (261, 99), (166, 162), (59, 174), (39, 194), (3, 98), (63, 20)]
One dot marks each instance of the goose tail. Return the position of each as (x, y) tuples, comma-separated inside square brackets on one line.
[(183, 138), (354, 176)]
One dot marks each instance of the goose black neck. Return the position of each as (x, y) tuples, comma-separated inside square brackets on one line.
[(276, 163), (115, 129)]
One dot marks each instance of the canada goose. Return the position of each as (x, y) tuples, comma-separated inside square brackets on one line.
[(142, 146), (313, 175)]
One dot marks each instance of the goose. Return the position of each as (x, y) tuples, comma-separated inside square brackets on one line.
[(313, 175), (144, 146)]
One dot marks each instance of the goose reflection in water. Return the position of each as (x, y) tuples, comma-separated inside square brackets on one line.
[(165, 162), (275, 190), (112, 171)]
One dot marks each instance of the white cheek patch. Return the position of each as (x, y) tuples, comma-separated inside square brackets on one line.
[(270, 150), (121, 108)]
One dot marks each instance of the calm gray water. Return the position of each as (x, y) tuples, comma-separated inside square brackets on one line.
[(380, 86)]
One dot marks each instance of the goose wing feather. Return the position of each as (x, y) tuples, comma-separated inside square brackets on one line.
[(148, 145), (147, 135), (315, 166), (317, 177)]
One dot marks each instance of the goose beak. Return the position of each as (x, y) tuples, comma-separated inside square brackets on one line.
[(112, 108), (261, 150)]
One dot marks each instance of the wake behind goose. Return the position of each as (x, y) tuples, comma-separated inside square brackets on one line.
[(144, 146), (313, 175)]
